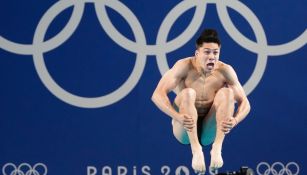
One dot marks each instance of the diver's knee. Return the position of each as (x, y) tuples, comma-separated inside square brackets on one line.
[(225, 94), (188, 96)]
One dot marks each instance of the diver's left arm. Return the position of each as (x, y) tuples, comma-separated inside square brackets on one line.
[(239, 94)]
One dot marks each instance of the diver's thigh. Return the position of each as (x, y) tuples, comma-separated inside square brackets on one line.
[(180, 133)]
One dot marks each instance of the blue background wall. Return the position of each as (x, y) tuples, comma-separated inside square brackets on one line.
[(36, 126)]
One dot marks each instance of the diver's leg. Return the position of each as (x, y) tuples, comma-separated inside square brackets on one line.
[(186, 102), (224, 107)]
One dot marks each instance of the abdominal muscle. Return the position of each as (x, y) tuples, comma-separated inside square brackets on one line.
[(203, 107)]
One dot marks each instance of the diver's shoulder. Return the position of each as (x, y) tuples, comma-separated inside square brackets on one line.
[(224, 66), (184, 62)]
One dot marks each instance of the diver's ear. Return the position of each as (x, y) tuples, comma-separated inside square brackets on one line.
[(196, 52)]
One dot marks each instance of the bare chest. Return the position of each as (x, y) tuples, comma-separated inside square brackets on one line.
[(205, 87)]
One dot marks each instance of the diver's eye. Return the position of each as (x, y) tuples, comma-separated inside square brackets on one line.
[(207, 52)]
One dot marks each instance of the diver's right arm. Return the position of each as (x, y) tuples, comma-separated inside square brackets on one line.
[(168, 82)]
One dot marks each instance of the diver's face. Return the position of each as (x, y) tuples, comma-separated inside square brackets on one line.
[(207, 56)]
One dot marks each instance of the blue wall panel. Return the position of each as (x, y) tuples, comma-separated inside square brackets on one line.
[(77, 78)]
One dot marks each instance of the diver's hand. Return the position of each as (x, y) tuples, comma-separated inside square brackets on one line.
[(228, 124), (187, 122)]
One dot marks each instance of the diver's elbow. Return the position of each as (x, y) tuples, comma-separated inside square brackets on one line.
[(154, 97)]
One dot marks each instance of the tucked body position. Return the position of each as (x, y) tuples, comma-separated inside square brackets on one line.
[(203, 111)]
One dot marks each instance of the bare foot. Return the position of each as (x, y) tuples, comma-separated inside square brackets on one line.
[(198, 162), (216, 159)]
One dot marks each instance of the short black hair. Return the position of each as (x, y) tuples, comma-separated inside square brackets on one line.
[(208, 36)]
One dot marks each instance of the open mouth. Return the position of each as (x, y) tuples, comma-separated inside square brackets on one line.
[(210, 65)]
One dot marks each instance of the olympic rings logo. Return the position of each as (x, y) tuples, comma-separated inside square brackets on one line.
[(24, 169), (278, 168), (140, 47)]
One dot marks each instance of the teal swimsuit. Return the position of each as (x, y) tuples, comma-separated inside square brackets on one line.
[(206, 130)]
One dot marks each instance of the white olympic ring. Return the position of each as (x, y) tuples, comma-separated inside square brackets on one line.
[(24, 169), (278, 168), (140, 47), (182, 170)]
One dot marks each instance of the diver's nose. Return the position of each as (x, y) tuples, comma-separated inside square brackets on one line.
[(211, 56), (212, 59)]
